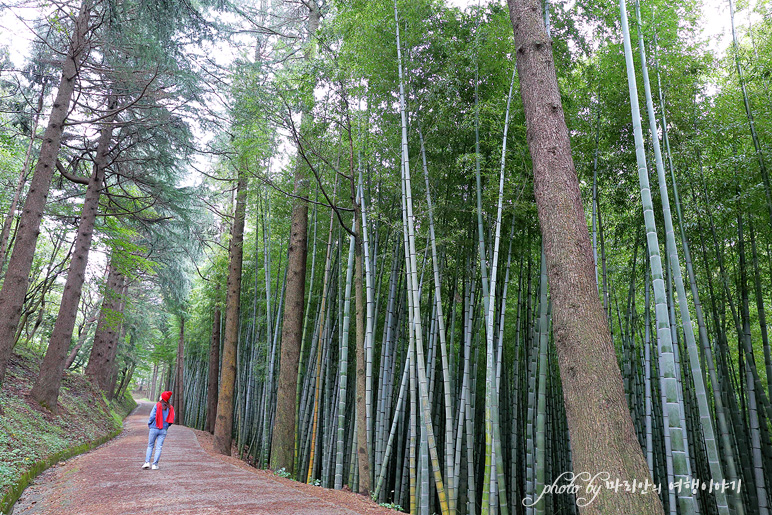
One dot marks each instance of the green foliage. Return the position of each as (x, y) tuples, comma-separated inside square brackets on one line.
[(391, 506), (328, 107), (283, 473), (32, 438)]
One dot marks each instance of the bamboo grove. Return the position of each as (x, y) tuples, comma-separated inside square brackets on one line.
[(371, 198)]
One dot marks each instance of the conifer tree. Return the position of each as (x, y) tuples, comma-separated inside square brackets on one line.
[(603, 439)]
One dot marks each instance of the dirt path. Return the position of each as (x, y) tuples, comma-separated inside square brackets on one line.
[(190, 481)]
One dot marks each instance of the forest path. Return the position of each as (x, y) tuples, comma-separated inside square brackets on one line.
[(190, 481)]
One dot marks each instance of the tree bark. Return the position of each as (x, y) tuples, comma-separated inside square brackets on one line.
[(283, 441), (100, 361), (16, 279), (363, 452), (223, 428), (603, 440), (283, 436), (214, 368), (46, 388), (179, 381)]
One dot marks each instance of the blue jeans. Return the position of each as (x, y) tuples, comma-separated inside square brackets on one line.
[(155, 438)]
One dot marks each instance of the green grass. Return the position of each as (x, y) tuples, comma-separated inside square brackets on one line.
[(32, 438)]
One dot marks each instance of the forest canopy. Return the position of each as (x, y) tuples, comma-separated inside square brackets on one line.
[(439, 254)]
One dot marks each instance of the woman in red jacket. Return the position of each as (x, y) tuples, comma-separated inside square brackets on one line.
[(161, 417)]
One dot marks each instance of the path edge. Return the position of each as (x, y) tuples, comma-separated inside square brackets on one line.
[(8, 501)]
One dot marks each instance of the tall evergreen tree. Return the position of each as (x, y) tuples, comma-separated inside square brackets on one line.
[(603, 439), (16, 279), (223, 427), (283, 438), (46, 387)]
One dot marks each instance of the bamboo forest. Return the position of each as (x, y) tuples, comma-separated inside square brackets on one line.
[(460, 257)]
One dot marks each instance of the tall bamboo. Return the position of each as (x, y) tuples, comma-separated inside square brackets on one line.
[(706, 421), (450, 472), (541, 408), (749, 113), (413, 285), (667, 361), (343, 369)]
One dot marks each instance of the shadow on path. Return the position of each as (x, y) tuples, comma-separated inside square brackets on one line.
[(109, 481)]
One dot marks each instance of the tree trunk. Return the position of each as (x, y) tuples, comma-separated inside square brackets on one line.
[(100, 362), (179, 386), (153, 383), (83, 331), (116, 337), (16, 279), (46, 388), (365, 483), (214, 369), (223, 428), (603, 439), (283, 436), (8, 222), (283, 442), (121, 392)]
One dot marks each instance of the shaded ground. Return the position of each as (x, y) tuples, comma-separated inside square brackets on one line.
[(190, 481)]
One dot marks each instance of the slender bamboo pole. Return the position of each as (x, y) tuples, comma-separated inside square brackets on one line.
[(541, 408), (450, 472), (706, 421), (668, 370), (320, 342), (343, 369), (413, 286)]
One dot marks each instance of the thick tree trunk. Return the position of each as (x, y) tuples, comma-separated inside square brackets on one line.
[(603, 439), (16, 279), (214, 369), (179, 381), (283, 441), (283, 436), (105, 338), (46, 388), (223, 428)]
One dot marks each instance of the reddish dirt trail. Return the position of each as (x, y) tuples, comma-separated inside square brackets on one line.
[(190, 481)]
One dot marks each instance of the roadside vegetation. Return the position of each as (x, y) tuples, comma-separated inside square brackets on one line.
[(32, 438)]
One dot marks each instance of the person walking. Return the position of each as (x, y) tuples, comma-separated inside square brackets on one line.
[(161, 417)]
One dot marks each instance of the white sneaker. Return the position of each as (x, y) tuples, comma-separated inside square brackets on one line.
[(146, 465), (155, 467)]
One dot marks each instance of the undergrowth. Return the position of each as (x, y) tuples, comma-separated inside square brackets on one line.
[(31, 437)]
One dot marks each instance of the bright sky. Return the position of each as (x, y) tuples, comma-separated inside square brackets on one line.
[(15, 36), (715, 18)]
